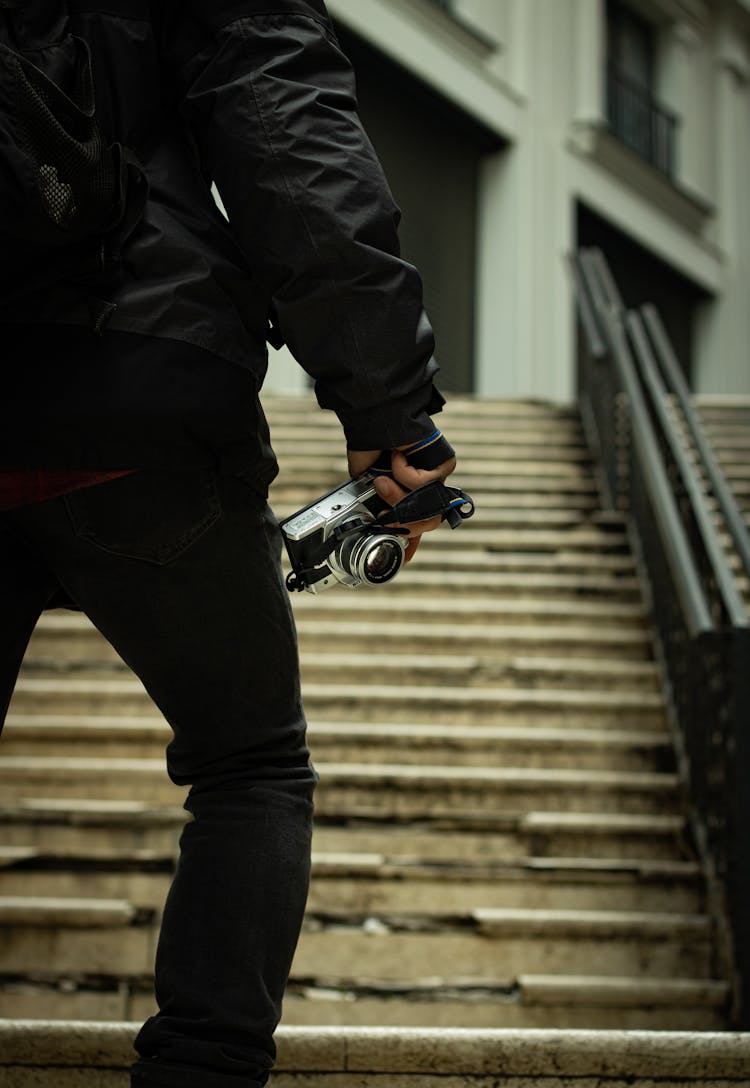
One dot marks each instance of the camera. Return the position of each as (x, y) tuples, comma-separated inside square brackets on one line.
[(338, 540)]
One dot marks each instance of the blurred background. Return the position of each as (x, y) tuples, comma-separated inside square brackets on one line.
[(515, 131)]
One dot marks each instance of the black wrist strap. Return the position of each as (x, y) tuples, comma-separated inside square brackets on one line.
[(428, 453), (429, 501)]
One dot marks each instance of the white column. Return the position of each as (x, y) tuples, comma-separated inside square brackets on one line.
[(525, 317), (588, 106), (503, 267), (723, 356)]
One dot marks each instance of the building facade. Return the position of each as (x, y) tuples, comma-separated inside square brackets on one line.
[(513, 131)]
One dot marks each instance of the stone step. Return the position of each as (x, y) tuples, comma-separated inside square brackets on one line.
[(92, 825), (489, 640), (409, 743), (375, 605), (510, 477), (485, 705), (489, 746), (383, 790), (409, 791), (721, 404), (70, 637), (362, 883), (125, 827), (581, 538), (337, 702), (54, 937), (733, 439), (452, 837), (467, 670), (465, 578), (492, 519), (403, 1057), (483, 943), (527, 1002), (567, 561), (433, 579), (75, 935), (378, 605), (471, 671), (729, 437)]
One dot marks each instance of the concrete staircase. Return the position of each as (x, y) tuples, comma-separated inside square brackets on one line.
[(501, 840)]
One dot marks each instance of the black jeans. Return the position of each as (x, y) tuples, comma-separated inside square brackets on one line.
[(180, 571)]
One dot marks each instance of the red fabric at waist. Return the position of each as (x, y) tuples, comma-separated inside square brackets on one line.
[(21, 486)]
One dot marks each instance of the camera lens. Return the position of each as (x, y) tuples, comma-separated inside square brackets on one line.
[(379, 560), (370, 559)]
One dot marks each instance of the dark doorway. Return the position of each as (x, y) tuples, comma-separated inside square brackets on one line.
[(642, 277), (430, 151)]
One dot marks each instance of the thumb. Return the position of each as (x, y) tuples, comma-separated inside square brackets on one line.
[(388, 490)]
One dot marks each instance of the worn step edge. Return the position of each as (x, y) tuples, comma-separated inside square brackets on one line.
[(396, 606), (374, 693), (645, 925), (500, 923), (529, 990), (458, 667), (381, 866), (68, 912), (95, 813), (463, 1051), (143, 727), (493, 634), (426, 777)]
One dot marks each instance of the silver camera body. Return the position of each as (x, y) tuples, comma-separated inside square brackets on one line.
[(337, 540)]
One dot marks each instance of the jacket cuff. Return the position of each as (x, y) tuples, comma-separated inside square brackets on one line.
[(391, 426)]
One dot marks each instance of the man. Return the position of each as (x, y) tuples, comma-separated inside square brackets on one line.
[(136, 457)]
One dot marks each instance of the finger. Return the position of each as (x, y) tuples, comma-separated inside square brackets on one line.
[(411, 477), (389, 490), (411, 549)]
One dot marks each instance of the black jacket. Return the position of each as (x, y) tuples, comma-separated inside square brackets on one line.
[(257, 97)]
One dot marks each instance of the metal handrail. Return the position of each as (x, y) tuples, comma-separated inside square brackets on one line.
[(725, 580), (674, 539), (701, 629), (678, 386)]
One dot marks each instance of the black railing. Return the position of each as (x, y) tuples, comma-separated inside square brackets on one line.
[(629, 407), (639, 121)]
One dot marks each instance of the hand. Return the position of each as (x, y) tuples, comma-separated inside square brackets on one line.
[(406, 478)]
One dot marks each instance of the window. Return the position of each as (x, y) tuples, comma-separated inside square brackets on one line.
[(634, 115)]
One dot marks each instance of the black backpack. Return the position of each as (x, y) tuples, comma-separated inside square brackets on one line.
[(68, 198)]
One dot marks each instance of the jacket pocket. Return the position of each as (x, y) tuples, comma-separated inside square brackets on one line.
[(153, 515)]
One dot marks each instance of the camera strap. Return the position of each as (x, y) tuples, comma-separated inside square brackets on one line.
[(432, 500)]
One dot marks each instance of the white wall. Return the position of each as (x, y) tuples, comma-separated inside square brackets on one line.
[(533, 74)]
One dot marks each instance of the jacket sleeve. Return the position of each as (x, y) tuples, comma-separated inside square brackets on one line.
[(269, 99)]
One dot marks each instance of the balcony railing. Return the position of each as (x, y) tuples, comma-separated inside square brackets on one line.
[(640, 122)]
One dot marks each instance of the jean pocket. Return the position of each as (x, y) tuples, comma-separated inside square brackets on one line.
[(152, 515)]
